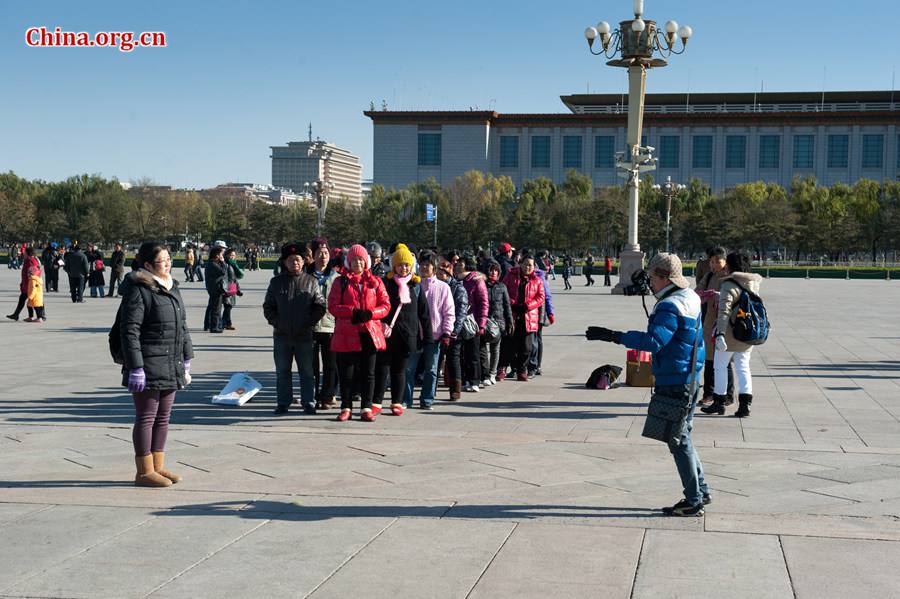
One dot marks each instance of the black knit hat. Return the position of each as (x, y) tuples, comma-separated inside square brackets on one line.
[(291, 249)]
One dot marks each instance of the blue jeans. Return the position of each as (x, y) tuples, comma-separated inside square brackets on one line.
[(286, 352), (429, 356), (686, 459)]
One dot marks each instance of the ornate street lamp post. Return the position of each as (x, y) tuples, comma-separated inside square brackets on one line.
[(669, 190), (633, 46), (321, 189)]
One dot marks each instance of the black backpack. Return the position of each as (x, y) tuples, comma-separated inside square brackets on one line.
[(115, 333), (751, 323)]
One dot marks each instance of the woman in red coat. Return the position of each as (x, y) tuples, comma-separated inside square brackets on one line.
[(358, 301), (526, 295)]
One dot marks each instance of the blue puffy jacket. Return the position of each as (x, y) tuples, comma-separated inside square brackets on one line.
[(670, 337)]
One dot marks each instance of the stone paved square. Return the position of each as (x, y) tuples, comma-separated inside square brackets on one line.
[(522, 490)]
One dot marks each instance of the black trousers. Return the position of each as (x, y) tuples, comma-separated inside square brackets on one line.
[(589, 280), (516, 349), (52, 279), (20, 304), (357, 372), (76, 288), (606, 280), (214, 313), (537, 350), (471, 360), (325, 364), (452, 361), (391, 362)]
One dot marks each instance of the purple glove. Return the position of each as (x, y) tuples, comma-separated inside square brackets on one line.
[(187, 366), (137, 380)]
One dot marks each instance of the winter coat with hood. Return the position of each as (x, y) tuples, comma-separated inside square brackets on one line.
[(363, 292), (413, 324), (460, 305), (478, 297), (531, 302), (499, 307), (670, 336), (729, 293), (294, 305), (154, 331)]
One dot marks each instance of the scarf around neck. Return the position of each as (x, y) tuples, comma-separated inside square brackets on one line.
[(403, 287)]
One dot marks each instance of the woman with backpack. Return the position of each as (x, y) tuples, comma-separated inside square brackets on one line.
[(96, 278), (737, 280), (156, 355)]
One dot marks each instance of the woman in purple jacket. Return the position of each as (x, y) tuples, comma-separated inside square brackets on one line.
[(466, 271)]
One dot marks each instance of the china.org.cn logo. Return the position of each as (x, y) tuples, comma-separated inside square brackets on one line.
[(125, 41)]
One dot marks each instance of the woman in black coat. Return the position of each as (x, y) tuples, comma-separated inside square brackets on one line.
[(156, 352), (412, 323)]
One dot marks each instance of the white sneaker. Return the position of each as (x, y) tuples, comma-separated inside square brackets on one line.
[(467, 387), (486, 383), (493, 379), (475, 389)]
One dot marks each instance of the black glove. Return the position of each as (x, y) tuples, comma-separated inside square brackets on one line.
[(518, 309), (360, 316), (602, 334)]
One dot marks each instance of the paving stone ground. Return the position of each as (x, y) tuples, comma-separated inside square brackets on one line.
[(523, 490)]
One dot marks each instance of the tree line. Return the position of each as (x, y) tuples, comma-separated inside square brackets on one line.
[(476, 209)]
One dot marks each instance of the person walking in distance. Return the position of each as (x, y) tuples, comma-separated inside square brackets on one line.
[(78, 268), (157, 354), (607, 272), (588, 270), (116, 269)]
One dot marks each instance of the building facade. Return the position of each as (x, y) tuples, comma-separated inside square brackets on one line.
[(720, 139), (306, 162)]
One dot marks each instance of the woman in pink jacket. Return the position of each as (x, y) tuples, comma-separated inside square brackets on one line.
[(443, 315)]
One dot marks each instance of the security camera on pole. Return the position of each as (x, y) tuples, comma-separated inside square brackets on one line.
[(632, 46)]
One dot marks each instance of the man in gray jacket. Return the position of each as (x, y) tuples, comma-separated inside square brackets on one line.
[(293, 306)]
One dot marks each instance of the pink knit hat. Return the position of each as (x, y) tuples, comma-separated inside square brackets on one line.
[(357, 251)]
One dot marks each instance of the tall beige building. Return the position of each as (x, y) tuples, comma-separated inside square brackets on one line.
[(302, 162)]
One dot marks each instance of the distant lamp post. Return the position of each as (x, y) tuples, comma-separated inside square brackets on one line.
[(669, 191), (633, 46), (321, 190)]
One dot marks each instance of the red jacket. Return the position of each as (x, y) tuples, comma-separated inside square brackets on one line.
[(533, 300), (607, 266), (30, 262), (345, 296)]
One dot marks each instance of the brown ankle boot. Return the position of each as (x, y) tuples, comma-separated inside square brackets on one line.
[(159, 465), (455, 390), (146, 476)]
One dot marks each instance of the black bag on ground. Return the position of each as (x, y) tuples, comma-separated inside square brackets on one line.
[(611, 372), (670, 406)]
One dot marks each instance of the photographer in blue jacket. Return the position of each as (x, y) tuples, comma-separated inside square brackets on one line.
[(670, 336)]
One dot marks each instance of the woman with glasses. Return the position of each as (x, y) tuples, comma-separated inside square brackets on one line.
[(156, 356)]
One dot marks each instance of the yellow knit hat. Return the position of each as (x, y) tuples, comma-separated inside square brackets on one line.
[(402, 255)]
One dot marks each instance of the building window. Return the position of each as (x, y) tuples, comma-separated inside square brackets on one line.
[(572, 151), (429, 149), (668, 151), (838, 151), (873, 151), (604, 150), (736, 151), (702, 153), (803, 151), (509, 151), (769, 151), (540, 151)]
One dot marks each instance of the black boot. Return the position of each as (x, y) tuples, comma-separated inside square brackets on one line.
[(716, 407), (744, 399)]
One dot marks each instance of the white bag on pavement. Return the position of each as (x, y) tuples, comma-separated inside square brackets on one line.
[(238, 391)]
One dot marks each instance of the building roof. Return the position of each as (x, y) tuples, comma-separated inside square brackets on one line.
[(828, 97)]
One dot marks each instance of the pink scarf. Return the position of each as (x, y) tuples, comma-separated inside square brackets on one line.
[(403, 287)]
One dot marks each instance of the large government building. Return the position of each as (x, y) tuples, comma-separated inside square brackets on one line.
[(721, 139), (306, 162)]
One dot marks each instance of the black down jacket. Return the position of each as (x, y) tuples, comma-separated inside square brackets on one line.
[(154, 331), (413, 324), (294, 304)]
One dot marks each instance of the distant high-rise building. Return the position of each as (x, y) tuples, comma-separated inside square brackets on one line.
[(305, 162)]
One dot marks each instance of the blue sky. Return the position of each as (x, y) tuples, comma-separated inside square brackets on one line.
[(238, 77)]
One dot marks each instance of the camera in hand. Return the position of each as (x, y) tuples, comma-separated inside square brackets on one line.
[(640, 283)]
